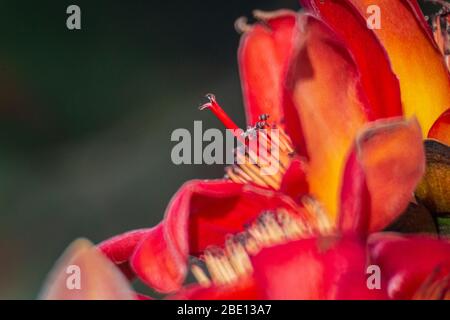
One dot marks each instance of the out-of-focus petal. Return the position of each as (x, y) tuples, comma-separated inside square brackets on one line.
[(84, 273), (441, 128), (263, 55), (434, 189), (157, 263), (201, 214), (379, 83), (120, 248), (382, 173), (415, 58), (407, 261), (323, 268), (323, 85)]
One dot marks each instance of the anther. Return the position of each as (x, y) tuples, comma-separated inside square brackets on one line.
[(200, 275)]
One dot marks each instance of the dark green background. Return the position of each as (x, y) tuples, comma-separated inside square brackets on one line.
[(86, 117)]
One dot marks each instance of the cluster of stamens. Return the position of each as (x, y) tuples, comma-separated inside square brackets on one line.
[(263, 148), (252, 165), (228, 265), (264, 152)]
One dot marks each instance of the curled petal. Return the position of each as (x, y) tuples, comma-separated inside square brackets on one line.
[(201, 214), (84, 273), (263, 55), (325, 101), (441, 128), (315, 269), (382, 173), (378, 81), (415, 57), (157, 263), (120, 248), (407, 262)]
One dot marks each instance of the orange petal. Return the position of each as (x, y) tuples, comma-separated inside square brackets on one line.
[(441, 128), (379, 83), (415, 58), (324, 89), (391, 162), (264, 53), (393, 158), (84, 273)]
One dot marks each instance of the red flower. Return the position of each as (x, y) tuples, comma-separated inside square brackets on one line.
[(349, 165)]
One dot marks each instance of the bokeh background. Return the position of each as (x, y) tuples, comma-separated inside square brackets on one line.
[(86, 117)]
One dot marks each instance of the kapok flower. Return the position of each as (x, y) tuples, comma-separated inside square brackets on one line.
[(290, 66), (349, 164)]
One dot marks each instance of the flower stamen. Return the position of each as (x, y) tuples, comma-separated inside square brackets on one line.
[(265, 153), (233, 263), (255, 166), (316, 209)]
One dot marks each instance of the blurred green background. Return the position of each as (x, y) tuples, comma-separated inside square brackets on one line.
[(86, 117)]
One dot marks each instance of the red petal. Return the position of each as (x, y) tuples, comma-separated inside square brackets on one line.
[(324, 88), (324, 268), (382, 173), (354, 215), (379, 83), (294, 183), (157, 263), (99, 279), (263, 56), (201, 214), (120, 248), (406, 262), (441, 128)]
